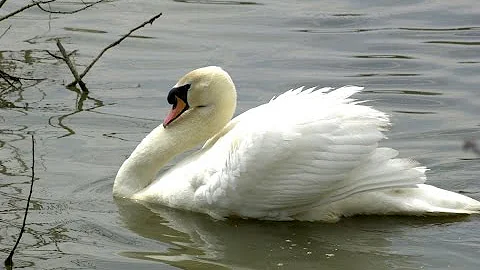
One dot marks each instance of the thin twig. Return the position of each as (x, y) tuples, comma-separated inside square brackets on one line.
[(10, 80), (18, 79), (9, 261), (72, 11), (55, 56), (6, 77), (71, 66), (24, 8), (112, 45), (6, 30), (3, 2), (72, 52)]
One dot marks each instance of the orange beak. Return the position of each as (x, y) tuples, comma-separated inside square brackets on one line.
[(178, 108)]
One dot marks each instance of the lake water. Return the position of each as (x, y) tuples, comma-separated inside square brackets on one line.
[(419, 61)]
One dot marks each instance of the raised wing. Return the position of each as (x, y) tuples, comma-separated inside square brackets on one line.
[(302, 149)]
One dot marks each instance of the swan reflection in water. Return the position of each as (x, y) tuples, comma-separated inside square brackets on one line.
[(191, 240)]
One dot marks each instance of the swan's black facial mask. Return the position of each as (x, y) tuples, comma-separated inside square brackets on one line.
[(178, 98)]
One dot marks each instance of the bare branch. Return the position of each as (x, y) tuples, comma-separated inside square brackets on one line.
[(59, 57), (3, 2), (9, 262), (17, 79), (35, 3), (72, 52), (9, 79), (55, 56), (72, 68), (6, 30), (112, 45), (5, 75), (66, 57), (72, 11)]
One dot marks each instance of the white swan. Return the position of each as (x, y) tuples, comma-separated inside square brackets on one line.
[(308, 155)]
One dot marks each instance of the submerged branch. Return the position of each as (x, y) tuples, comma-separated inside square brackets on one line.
[(9, 261)]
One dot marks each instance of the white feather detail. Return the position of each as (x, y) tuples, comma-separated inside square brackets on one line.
[(278, 160)]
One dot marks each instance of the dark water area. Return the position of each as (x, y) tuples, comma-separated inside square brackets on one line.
[(419, 61)]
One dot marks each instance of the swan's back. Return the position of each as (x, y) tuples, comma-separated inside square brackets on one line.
[(303, 149)]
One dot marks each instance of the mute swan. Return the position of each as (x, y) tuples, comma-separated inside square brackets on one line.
[(306, 155)]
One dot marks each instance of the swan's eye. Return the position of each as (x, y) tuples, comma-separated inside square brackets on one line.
[(202, 106)]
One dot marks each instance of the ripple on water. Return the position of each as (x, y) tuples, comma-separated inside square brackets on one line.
[(418, 61)]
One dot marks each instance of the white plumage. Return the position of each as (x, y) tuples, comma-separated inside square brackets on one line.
[(307, 154)]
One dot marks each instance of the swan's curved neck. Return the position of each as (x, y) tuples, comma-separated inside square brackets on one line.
[(212, 98), (163, 144), (140, 169)]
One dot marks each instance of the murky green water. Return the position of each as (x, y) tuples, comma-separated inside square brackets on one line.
[(419, 60)]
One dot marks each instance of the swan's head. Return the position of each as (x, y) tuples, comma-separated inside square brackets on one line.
[(204, 98)]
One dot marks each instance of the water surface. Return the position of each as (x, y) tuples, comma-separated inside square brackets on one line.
[(419, 61)]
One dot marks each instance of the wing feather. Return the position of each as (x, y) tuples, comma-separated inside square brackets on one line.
[(302, 149)]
